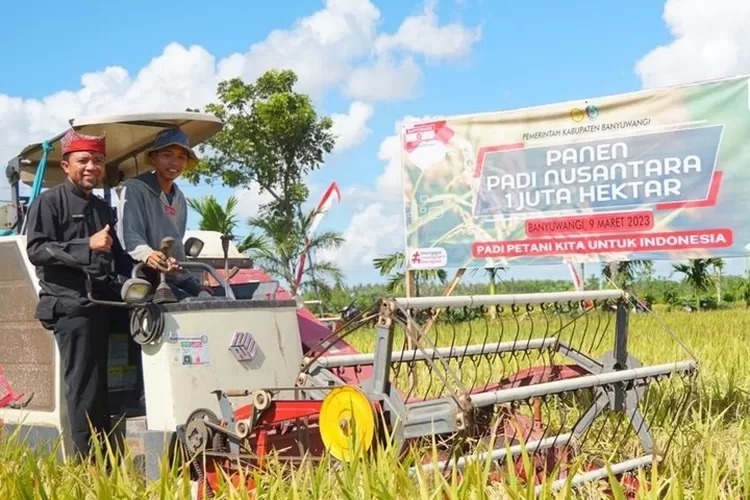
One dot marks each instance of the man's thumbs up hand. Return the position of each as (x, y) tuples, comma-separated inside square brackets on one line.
[(101, 241)]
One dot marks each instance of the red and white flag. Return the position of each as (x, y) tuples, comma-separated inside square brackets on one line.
[(577, 279), (332, 194), (580, 285)]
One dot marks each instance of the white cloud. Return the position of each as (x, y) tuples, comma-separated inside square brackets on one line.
[(385, 80), (390, 183), (249, 200), (330, 50), (389, 80), (373, 231), (321, 48), (337, 49), (351, 128), (422, 34), (377, 228), (711, 40)]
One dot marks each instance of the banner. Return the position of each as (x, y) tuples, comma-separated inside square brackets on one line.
[(653, 175)]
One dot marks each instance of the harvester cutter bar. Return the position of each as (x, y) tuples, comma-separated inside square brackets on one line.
[(254, 457), (598, 474), (497, 453)]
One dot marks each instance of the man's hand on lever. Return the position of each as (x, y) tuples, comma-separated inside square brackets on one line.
[(157, 260), (173, 264)]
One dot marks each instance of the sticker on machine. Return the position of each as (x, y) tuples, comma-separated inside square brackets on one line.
[(191, 351)]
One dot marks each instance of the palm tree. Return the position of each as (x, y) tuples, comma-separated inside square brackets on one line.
[(392, 265), (278, 250), (275, 248), (719, 268), (214, 217), (697, 275), (493, 275), (388, 266), (627, 271), (251, 242)]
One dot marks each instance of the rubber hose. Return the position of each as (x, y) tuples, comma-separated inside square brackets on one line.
[(154, 324)]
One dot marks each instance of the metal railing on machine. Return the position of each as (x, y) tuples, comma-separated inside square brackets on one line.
[(554, 374)]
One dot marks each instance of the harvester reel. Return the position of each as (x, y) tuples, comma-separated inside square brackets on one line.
[(347, 420)]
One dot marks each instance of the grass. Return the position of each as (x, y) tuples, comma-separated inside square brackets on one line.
[(709, 455)]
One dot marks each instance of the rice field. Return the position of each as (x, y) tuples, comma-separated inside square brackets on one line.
[(709, 455)]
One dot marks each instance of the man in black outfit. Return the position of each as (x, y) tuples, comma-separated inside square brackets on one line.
[(71, 219)]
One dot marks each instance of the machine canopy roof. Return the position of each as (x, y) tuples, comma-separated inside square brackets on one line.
[(128, 137)]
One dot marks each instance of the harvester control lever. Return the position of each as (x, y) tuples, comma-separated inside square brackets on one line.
[(163, 292), (166, 246)]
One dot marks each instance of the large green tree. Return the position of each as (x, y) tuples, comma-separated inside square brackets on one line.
[(272, 137)]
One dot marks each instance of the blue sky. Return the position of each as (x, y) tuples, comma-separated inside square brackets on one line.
[(393, 59)]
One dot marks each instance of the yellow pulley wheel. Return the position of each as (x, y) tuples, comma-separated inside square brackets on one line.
[(347, 422)]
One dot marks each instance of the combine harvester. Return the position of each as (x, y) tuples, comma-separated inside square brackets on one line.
[(249, 373)]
